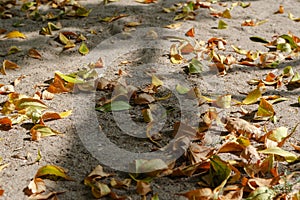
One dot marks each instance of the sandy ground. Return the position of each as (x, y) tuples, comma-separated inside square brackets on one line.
[(70, 151)]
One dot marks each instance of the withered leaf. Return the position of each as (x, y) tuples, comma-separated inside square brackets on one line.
[(5, 123), (143, 188), (59, 86), (52, 172), (144, 98), (241, 126), (37, 186), (8, 65), (39, 131), (202, 193), (33, 53)]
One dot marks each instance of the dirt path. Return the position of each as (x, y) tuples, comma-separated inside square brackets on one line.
[(71, 151)]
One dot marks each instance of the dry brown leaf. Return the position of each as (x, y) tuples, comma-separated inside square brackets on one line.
[(143, 188), (8, 65), (242, 127), (33, 53), (37, 186), (47, 95), (7, 89), (199, 194), (199, 153), (144, 99)]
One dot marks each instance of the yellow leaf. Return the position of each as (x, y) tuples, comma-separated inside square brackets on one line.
[(83, 49), (289, 157), (15, 34), (65, 114), (52, 172), (252, 97), (156, 81), (265, 110)]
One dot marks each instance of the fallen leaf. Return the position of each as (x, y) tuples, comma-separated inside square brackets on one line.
[(186, 49), (202, 193), (241, 126), (291, 16), (175, 57), (15, 34), (98, 173), (195, 66), (59, 86), (289, 157), (144, 98), (191, 32), (262, 193), (52, 172), (7, 89), (83, 49), (265, 110), (8, 65), (252, 96), (36, 186), (47, 95), (13, 50), (113, 18), (33, 53), (223, 101), (222, 25), (39, 131), (143, 188), (5, 123), (125, 184), (226, 14), (25, 103), (219, 171)]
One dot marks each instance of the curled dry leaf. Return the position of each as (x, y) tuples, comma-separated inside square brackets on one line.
[(143, 188), (52, 172), (36, 186), (203, 193), (144, 98), (33, 53), (191, 32), (7, 89), (8, 65), (47, 95), (39, 131), (242, 127)]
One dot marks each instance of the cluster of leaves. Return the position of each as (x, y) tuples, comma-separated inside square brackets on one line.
[(259, 152), (37, 188), (64, 8)]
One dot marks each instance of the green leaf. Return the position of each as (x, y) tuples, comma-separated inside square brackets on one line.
[(279, 134), (284, 47), (290, 41), (39, 131), (262, 193), (63, 39), (83, 49), (68, 78), (181, 89), (195, 66), (265, 110), (239, 50), (30, 103), (252, 97), (52, 172), (258, 39), (114, 106), (222, 25), (219, 171), (155, 197), (288, 71), (289, 157)]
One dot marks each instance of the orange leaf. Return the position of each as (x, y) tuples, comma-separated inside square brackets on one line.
[(5, 124), (8, 65), (191, 32), (58, 85)]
